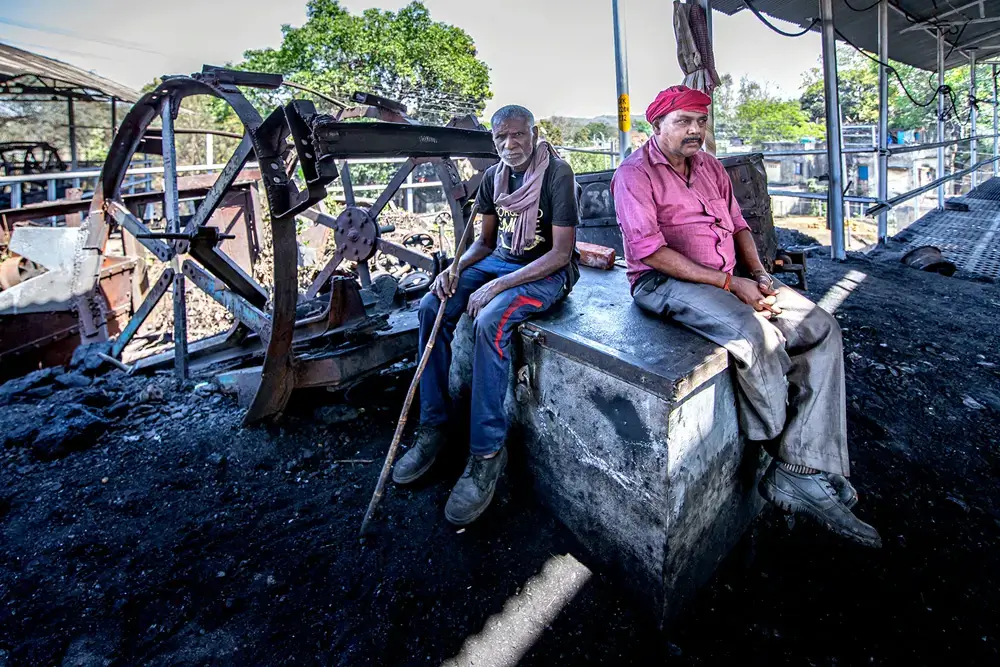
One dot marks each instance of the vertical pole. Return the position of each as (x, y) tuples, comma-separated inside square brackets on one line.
[(995, 146), (114, 117), (834, 147), (621, 80), (72, 133), (172, 217), (409, 193), (209, 149), (973, 116), (883, 117), (940, 122), (710, 144)]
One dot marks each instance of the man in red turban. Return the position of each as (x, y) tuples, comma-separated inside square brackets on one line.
[(685, 238)]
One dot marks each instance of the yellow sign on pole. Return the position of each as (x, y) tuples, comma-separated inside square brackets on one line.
[(624, 115)]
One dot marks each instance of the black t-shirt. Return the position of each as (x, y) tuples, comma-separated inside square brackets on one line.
[(557, 206)]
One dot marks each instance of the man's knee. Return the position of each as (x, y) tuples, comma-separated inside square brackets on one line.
[(429, 305), (823, 325), (487, 322)]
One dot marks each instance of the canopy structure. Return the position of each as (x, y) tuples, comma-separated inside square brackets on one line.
[(29, 77), (934, 35), (26, 76), (913, 25)]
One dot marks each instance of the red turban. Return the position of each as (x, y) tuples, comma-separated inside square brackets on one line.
[(677, 97)]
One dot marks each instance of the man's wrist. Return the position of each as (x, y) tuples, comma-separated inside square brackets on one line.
[(726, 281)]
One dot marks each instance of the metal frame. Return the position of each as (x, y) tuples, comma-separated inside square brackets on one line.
[(834, 140), (621, 77), (883, 116)]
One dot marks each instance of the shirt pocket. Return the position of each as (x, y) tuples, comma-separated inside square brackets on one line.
[(719, 208)]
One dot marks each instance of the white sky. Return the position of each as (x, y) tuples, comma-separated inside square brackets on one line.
[(537, 55)]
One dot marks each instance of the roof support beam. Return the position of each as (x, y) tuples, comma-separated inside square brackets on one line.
[(935, 17), (982, 38), (930, 31)]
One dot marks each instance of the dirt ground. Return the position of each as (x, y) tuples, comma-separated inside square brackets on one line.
[(161, 532)]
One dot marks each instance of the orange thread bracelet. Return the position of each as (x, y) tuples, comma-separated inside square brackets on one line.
[(725, 285)]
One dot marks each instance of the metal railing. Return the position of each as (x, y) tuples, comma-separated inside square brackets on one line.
[(899, 199)]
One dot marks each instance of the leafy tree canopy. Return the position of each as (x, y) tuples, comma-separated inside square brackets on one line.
[(432, 67), (750, 112), (858, 77)]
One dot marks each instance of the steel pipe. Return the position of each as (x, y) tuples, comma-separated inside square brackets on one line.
[(995, 152), (935, 144), (973, 114), (940, 118), (937, 183), (621, 81), (819, 195), (834, 140), (883, 116)]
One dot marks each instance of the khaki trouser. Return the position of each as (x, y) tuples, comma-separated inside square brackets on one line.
[(790, 368)]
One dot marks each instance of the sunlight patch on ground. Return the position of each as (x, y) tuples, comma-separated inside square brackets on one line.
[(507, 636), (838, 294)]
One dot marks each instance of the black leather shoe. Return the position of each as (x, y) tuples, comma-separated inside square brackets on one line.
[(844, 490), (474, 490), (816, 497), (428, 443)]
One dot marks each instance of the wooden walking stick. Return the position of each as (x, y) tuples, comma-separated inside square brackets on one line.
[(391, 456)]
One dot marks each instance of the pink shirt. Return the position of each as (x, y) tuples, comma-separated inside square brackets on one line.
[(656, 209)]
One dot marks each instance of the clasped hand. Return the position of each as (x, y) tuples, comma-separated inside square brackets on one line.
[(758, 293)]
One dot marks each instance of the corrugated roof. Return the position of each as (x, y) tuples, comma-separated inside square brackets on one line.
[(912, 26), (29, 76)]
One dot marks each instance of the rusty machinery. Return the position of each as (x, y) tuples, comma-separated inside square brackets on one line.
[(343, 327)]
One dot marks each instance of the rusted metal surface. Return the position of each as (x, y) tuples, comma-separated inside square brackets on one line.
[(29, 341), (159, 288), (358, 328)]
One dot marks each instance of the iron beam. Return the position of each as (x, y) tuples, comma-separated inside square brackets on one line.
[(153, 297), (995, 125), (172, 216), (255, 319)]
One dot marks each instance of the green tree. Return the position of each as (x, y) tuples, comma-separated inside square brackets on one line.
[(772, 119), (432, 67), (550, 131), (640, 125), (750, 112), (594, 133)]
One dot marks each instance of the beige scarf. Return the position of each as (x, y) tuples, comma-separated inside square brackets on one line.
[(524, 200)]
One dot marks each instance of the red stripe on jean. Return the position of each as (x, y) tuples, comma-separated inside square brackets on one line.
[(518, 301)]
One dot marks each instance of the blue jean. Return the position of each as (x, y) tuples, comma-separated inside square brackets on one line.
[(493, 329)]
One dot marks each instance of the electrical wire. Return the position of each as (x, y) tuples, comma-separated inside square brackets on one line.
[(957, 40), (775, 28), (861, 11), (943, 89)]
